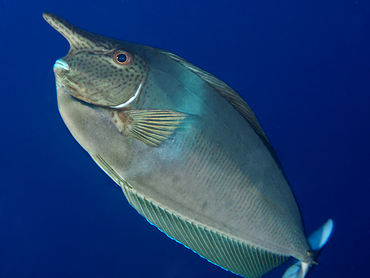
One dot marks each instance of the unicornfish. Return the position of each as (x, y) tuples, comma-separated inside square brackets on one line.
[(187, 151)]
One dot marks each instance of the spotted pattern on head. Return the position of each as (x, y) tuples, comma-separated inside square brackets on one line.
[(94, 75)]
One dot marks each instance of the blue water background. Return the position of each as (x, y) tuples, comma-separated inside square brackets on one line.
[(303, 66)]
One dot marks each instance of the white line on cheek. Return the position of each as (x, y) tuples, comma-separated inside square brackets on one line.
[(130, 100)]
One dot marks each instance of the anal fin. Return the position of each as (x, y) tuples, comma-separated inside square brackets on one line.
[(109, 170)]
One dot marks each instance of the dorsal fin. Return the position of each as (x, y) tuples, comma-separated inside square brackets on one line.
[(232, 96)]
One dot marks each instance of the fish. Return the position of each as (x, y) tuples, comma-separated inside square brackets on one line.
[(187, 151)]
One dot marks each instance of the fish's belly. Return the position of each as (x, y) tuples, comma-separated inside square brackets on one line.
[(228, 202), (231, 186)]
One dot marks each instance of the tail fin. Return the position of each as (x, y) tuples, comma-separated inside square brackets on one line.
[(317, 240)]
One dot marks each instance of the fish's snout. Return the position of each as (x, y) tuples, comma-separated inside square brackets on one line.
[(59, 64)]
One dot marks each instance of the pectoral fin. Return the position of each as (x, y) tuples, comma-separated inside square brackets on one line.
[(152, 126)]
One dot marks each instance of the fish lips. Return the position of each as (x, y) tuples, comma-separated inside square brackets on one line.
[(60, 64), (61, 70)]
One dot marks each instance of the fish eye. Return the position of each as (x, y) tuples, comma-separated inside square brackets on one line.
[(122, 57)]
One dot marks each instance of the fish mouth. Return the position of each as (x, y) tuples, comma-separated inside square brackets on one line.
[(59, 64)]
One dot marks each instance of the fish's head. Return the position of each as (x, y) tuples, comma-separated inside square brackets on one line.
[(97, 70)]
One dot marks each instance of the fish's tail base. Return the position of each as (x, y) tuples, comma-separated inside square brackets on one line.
[(317, 240)]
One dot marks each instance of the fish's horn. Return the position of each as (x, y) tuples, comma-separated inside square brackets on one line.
[(77, 37)]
